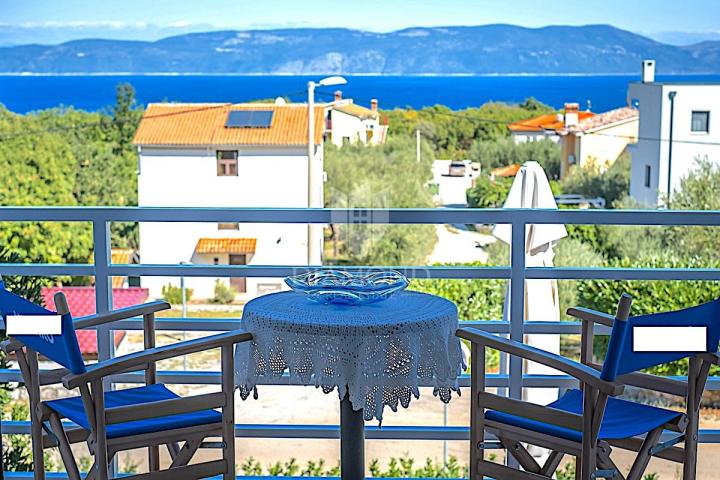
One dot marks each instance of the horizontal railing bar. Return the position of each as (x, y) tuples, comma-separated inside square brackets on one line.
[(232, 323), (418, 272), (189, 377), (47, 269), (378, 216), (433, 272), (600, 273), (330, 432)]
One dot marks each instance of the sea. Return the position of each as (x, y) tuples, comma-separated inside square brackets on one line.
[(26, 93)]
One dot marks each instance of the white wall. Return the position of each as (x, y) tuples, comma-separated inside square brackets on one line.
[(654, 106), (522, 137), (354, 128), (267, 177), (603, 147)]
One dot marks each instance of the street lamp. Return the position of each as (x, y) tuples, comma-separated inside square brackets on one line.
[(325, 82)]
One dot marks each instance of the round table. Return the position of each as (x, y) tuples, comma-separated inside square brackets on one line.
[(376, 355)]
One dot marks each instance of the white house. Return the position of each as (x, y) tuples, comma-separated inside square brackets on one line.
[(678, 125), (348, 122), (223, 155)]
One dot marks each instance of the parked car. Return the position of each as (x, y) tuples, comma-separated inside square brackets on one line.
[(456, 169)]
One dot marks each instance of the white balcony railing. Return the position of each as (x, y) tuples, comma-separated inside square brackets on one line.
[(512, 378)]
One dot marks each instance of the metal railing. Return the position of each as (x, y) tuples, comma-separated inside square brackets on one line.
[(513, 379)]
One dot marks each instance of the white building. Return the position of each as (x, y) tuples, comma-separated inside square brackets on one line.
[(585, 138), (223, 155), (348, 122), (678, 125)]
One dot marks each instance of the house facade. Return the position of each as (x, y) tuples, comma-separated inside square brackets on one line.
[(585, 138), (348, 122), (223, 155), (679, 125)]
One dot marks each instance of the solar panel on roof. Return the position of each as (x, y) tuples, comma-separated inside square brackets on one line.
[(249, 119)]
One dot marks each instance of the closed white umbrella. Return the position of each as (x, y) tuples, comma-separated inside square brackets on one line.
[(531, 189)]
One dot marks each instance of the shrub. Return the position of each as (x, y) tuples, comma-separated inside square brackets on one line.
[(611, 184), (224, 294), (402, 467), (173, 294), (489, 193)]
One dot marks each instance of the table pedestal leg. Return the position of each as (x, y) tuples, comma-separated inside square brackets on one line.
[(352, 441)]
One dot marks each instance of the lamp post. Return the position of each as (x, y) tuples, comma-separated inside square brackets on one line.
[(671, 96), (313, 244)]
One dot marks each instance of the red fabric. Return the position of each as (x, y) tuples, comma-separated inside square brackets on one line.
[(81, 301)]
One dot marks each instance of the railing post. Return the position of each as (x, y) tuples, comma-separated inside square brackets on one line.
[(103, 284), (103, 299), (517, 303)]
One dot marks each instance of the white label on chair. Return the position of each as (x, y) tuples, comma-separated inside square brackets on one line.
[(669, 339), (34, 325)]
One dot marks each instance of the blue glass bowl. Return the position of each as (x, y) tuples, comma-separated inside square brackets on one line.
[(341, 287)]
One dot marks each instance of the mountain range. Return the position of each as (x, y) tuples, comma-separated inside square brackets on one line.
[(488, 49)]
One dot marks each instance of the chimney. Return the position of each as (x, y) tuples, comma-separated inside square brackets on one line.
[(571, 114), (374, 105), (648, 71), (338, 95)]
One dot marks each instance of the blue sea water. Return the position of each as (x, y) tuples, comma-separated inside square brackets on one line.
[(24, 93)]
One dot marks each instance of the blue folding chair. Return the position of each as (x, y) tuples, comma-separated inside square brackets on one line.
[(116, 420), (587, 423)]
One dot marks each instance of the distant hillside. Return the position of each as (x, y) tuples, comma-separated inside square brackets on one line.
[(488, 49), (706, 52)]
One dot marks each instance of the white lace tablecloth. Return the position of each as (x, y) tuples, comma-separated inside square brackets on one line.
[(378, 353)]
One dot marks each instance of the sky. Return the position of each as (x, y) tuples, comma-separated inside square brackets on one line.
[(150, 19)]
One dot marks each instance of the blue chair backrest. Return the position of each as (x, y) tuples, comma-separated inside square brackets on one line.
[(63, 348), (621, 358)]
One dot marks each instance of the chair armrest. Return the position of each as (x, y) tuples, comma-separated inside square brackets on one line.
[(10, 345), (120, 314), (152, 355), (588, 315), (584, 373), (713, 358), (651, 382)]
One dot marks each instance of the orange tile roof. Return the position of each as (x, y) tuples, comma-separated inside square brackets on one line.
[(507, 171), (356, 110), (545, 122), (226, 245), (606, 119), (203, 124)]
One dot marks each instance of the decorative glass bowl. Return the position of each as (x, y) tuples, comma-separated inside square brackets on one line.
[(341, 287)]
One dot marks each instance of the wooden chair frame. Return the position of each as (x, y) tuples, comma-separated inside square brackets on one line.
[(592, 455), (48, 431)]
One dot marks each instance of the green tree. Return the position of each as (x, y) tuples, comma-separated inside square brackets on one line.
[(698, 191), (504, 151), (383, 176)]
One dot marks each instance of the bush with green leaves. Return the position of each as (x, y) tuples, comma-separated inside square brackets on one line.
[(173, 294), (488, 193), (402, 467), (224, 294), (611, 184)]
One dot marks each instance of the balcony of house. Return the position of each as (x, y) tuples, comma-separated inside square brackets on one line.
[(294, 430)]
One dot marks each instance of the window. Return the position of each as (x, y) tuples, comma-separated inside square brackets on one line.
[(647, 176), (227, 163), (229, 226), (700, 122)]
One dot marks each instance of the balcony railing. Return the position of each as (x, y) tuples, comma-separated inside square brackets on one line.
[(517, 272)]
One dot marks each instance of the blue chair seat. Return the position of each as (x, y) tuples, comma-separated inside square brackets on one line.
[(623, 419), (72, 408)]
